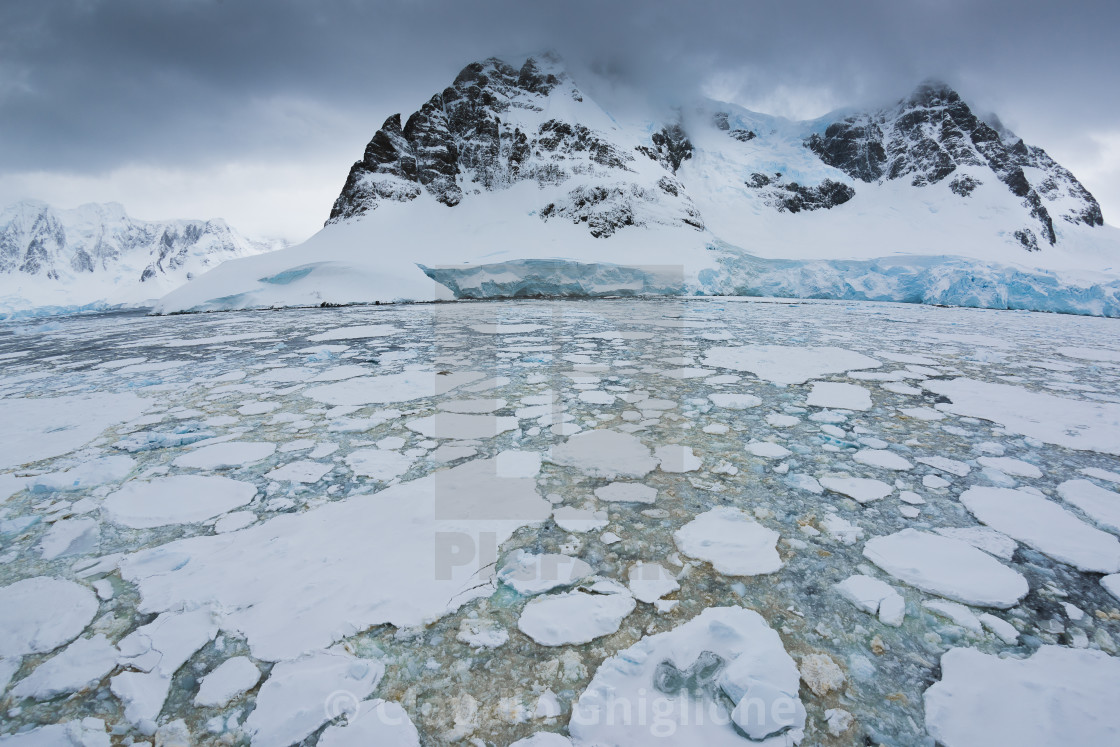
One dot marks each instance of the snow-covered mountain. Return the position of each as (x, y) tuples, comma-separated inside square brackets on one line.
[(97, 256), (513, 181)]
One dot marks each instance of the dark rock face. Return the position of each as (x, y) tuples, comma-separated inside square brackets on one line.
[(671, 147), (743, 135), (963, 185), (930, 135), (793, 198), (606, 209), (459, 137)]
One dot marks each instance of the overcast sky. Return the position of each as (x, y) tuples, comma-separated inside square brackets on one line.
[(254, 110)]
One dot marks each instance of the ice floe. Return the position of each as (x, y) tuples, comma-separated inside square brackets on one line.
[(732, 541), (605, 453), (782, 364), (1056, 696), (1045, 526), (579, 616), (179, 499), (839, 396), (723, 674), (946, 567), (40, 614), (529, 573), (35, 429)]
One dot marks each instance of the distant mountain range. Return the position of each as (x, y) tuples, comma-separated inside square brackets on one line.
[(97, 256)]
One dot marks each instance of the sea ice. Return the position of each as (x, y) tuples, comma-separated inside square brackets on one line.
[(650, 581), (225, 455), (529, 573), (574, 617), (669, 688), (405, 556), (378, 723), (1056, 696), (1045, 526), (301, 695), (1102, 506), (732, 541), (179, 499), (861, 489), (226, 681), (40, 614), (839, 396), (80, 665), (626, 492), (605, 453), (380, 464), (36, 429), (734, 401), (946, 567), (677, 458), (782, 364), (882, 458), (874, 597)]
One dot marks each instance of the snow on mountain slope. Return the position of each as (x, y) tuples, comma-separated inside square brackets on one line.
[(512, 181), (96, 256)]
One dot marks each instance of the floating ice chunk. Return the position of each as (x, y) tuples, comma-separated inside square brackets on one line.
[(157, 650), (300, 696), (451, 453), (734, 401), (944, 464), (225, 455), (341, 373), (303, 471), (579, 520), (861, 489), (1075, 424), (1057, 696), (462, 426), (472, 406), (228, 680), (1010, 466), (1100, 474), (841, 529), (529, 574), (514, 463), (733, 542), (804, 482), (728, 648), (1003, 629), (1111, 583), (40, 614), (768, 450), (909, 496), (233, 521), (1045, 526), (882, 458), (36, 429), (86, 475), (284, 375), (777, 420), (946, 567), (677, 458), (1102, 506), (88, 732), (380, 464), (80, 665), (258, 408), (481, 633), (839, 396), (934, 482), (439, 534), (359, 332), (923, 413), (650, 581), (874, 597), (398, 387), (506, 329), (605, 453), (958, 613), (378, 722), (179, 499), (574, 617), (984, 538), (716, 429), (787, 364), (838, 720), (1091, 354), (70, 537), (626, 492), (150, 440), (596, 397)]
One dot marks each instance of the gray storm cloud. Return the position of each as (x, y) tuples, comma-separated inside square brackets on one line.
[(90, 86)]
